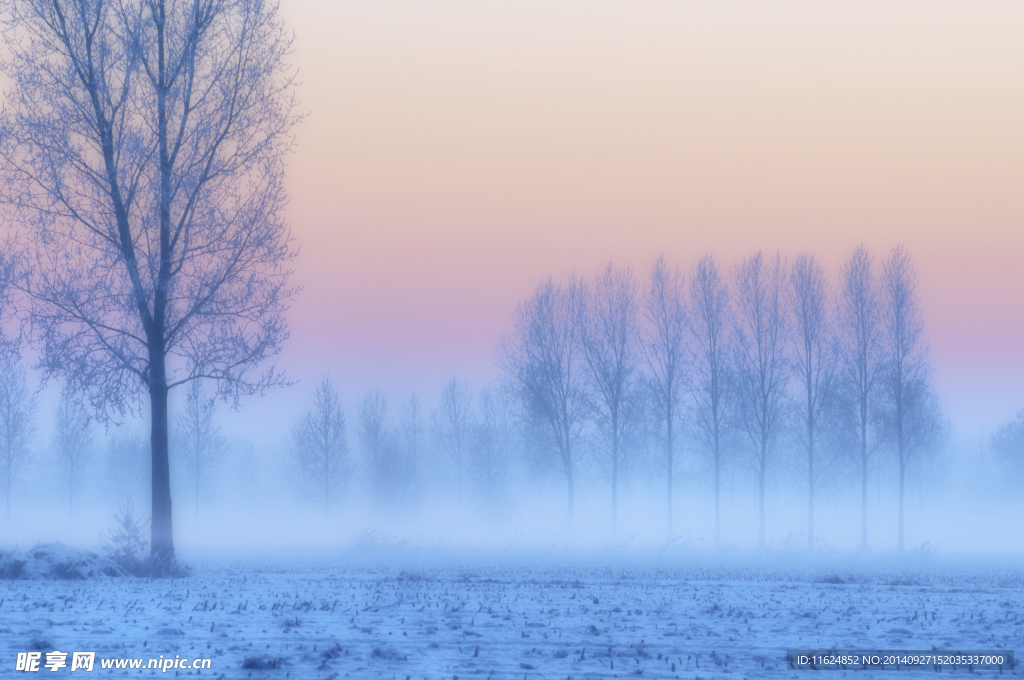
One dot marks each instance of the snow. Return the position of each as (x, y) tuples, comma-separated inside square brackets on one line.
[(518, 620), (56, 561)]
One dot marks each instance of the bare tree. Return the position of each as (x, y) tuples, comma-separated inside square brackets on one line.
[(710, 324), (388, 461), (247, 466), (1008, 444), (143, 148), (126, 465), (453, 427), (72, 441), (816, 353), (665, 348), (373, 414), (412, 429), (494, 440), (859, 332), (610, 340), (321, 446), (761, 360), (542, 359), (910, 415), (17, 424), (199, 440)]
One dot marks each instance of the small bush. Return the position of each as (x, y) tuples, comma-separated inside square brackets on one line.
[(125, 544)]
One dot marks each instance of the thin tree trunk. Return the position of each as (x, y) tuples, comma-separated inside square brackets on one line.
[(615, 485), (903, 469), (7, 479), (810, 488), (864, 487), (571, 493), (760, 501), (810, 466), (718, 487), (670, 461)]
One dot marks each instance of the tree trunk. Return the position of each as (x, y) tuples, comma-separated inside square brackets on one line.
[(161, 530), (864, 487), (760, 502), (571, 493), (810, 485), (7, 487), (670, 461), (718, 488), (903, 469), (615, 485)]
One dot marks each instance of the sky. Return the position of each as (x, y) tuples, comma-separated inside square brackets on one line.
[(457, 153)]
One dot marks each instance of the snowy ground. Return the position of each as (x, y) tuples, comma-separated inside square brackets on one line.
[(445, 621)]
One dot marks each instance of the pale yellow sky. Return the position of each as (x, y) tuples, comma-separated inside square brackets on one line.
[(458, 152)]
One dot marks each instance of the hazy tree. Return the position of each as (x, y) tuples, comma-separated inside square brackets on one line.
[(761, 361), (199, 440), (321, 446), (412, 430), (143, 147), (453, 425), (373, 413), (710, 322), (816, 354), (17, 426), (910, 415), (664, 348), (126, 465), (859, 333), (610, 340), (494, 440), (542, 359), (72, 441), (388, 461), (247, 466), (1008, 444)]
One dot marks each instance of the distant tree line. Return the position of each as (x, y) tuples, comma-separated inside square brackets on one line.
[(731, 365), (736, 368)]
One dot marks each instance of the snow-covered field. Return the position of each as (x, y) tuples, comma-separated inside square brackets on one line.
[(696, 620)]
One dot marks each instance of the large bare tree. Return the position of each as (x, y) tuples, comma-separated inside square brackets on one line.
[(816, 354), (664, 349), (321, 445), (909, 415), (711, 323), (143, 153), (542, 358), (609, 334), (860, 337), (761, 361)]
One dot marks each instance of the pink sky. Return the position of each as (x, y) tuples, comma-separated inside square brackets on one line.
[(456, 153)]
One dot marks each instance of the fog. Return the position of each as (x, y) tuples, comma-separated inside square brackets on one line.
[(256, 501)]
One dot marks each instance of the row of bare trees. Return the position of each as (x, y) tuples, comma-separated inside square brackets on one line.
[(769, 353), (465, 438)]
